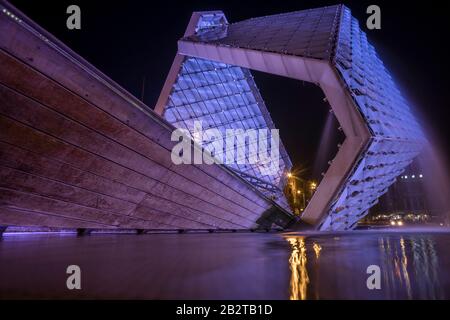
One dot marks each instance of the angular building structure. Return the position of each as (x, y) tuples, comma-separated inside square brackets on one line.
[(222, 96), (211, 77), (78, 151)]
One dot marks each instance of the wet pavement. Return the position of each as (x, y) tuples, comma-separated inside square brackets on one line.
[(413, 265)]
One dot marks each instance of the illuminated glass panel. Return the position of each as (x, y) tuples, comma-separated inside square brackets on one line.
[(397, 137), (223, 97), (330, 34), (305, 33)]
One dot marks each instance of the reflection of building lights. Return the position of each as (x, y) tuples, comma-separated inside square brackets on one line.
[(299, 273), (404, 264), (317, 248)]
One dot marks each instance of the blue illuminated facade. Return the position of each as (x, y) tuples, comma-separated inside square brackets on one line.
[(223, 97), (396, 136), (325, 46)]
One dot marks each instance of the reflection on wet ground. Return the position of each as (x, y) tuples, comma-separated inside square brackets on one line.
[(227, 266), (413, 266)]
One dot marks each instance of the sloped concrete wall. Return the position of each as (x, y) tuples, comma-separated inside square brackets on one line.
[(78, 151)]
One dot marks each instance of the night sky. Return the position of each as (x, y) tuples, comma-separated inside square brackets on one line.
[(132, 39)]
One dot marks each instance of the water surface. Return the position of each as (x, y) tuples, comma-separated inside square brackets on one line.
[(227, 266)]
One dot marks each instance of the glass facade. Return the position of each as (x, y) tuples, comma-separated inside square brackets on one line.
[(307, 33), (224, 97), (396, 136)]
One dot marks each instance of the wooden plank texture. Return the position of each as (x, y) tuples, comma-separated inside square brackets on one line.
[(77, 151)]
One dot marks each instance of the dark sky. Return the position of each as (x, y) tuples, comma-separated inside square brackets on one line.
[(130, 39)]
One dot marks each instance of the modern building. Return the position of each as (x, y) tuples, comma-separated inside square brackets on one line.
[(410, 199), (407, 194), (325, 46), (77, 150)]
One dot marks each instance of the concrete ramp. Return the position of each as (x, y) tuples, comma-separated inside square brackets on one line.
[(78, 151)]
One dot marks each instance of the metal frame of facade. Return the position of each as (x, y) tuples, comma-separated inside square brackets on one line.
[(324, 46)]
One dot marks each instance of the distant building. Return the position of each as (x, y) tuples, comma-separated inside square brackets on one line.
[(407, 194), (407, 200), (299, 192)]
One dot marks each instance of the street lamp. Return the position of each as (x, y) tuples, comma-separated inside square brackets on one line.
[(304, 199)]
